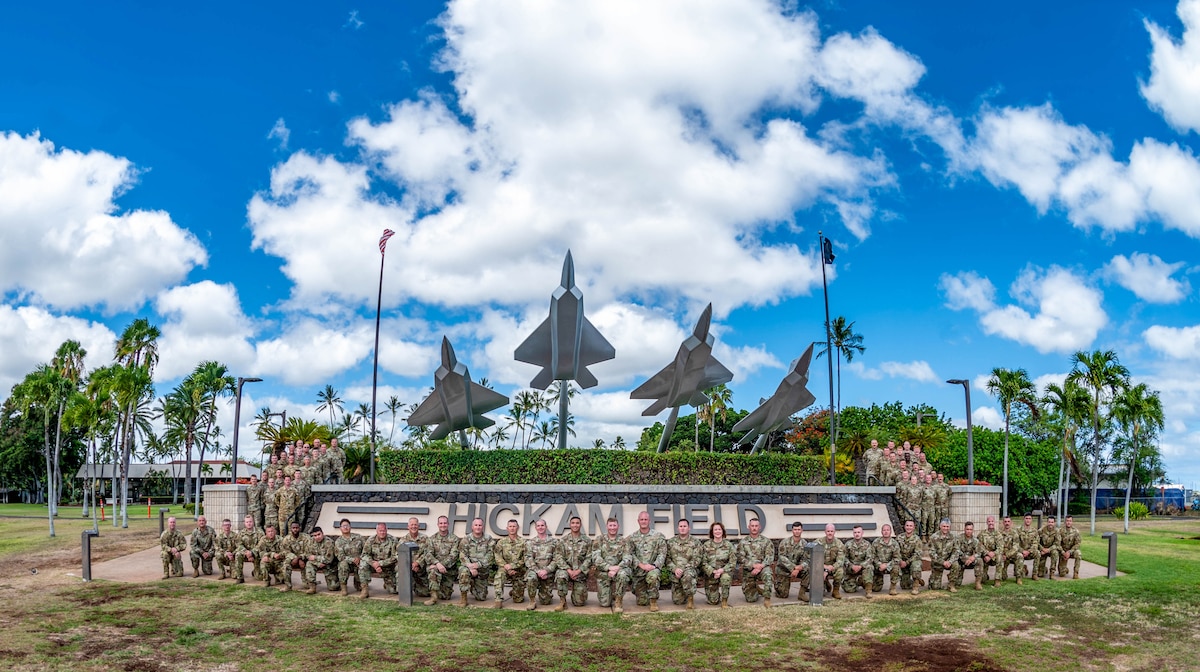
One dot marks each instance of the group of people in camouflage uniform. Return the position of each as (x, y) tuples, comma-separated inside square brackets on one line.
[(284, 495), (923, 493)]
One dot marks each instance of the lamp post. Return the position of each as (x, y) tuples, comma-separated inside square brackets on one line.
[(970, 439), (237, 421)]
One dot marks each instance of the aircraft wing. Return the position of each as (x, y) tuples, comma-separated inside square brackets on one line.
[(484, 400), (715, 373), (536, 348), (659, 385), (593, 347), (429, 412)]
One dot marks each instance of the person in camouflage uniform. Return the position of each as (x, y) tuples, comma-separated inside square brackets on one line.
[(991, 545), (910, 558), (441, 562), (420, 577), (173, 544), (539, 566), (286, 501), (943, 554), (270, 510), (904, 497), (792, 565), (970, 556), (943, 493), (509, 556), (271, 556), (254, 500), (378, 556), (303, 490), (226, 545), (1026, 549), (929, 507), (833, 564), (339, 460), (474, 564), (1048, 550), (647, 552), (683, 562), (320, 555), (611, 560), (203, 549), (859, 564), (572, 564), (755, 556), (293, 560), (885, 559), (871, 459), (1011, 551), (247, 550), (348, 547), (1068, 547), (719, 558)]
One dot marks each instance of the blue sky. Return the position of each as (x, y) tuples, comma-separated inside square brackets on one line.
[(1004, 186)]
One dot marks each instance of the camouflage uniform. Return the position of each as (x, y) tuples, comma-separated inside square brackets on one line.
[(942, 493), (1069, 541), (942, 548), (872, 458), (172, 540), (910, 554), (858, 552), (904, 496), (967, 548), (339, 463), (271, 557), (203, 541), (835, 555), (325, 561), (607, 553), (444, 549), (247, 540), (1011, 544), (382, 551), (991, 541), (270, 510), (303, 492), (226, 543), (574, 552), (751, 551), (1047, 541), (472, 549), (718, 555), (420, 576), (508, 551), (254, 503), (683, 554), (293, 549), (539, 554), (929, 510), (792, 554), (286, 501), (348, 549), (885, 552), (649, 548), (1027, 540)]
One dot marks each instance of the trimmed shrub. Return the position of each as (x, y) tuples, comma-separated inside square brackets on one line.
[(1137, 511), (595, 467)]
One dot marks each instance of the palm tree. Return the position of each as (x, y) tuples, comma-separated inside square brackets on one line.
[(393, 406), (363, 413), (68, 362), (1139, 412), (598, 443), (1101, 375), (330, 401), (846, 344), (554, 419), (1069, 403), (543, 432), (211, 380), (134, 392), (40, 392), (618, 443), (719, 399), (138, 345), (180, 411), (1011, 387)]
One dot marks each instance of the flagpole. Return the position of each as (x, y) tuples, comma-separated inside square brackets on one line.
[(375, 373), (829, 356)]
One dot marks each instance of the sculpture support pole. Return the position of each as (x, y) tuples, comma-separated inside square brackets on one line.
[(563, 398), (462, 438), (668, 430), (758, 444)]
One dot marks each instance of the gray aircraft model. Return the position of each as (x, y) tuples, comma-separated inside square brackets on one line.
[(774, 413), (456, 403), (565, 344), (684, 380)]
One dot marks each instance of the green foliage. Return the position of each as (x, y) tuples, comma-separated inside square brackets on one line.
[(1137, 511), (596, 467), (1032, 466), (684, 436), (886, 422)]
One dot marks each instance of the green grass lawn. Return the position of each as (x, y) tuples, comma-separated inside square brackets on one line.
[(1142, 621)]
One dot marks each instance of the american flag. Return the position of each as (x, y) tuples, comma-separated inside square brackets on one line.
[(387, 233)]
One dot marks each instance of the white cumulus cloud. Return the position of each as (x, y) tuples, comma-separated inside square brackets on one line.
[(1174, 342), (31, 335), (1148, 277), (1174, 87)]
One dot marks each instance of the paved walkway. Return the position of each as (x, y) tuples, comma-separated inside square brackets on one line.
[(145, 566)]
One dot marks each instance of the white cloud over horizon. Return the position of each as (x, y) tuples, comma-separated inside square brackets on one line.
[(1148, 277), (1174, 85)]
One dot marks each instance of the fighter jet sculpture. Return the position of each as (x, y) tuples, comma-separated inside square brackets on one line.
[(775, 413), (564, 345), (684, 380), (456, 403)]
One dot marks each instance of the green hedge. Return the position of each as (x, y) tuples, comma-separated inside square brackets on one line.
[(595, 467)]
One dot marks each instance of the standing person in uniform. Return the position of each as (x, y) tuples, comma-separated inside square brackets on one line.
[(572, 564), (611, 560), (509, 555), (441, 562), (1068, 547), (203, 548), (717, 565), (286, 501), (929, 507), (756, 554), (943, 554), (944, 493), (792, 565), (871, 459), (859, 564), (320, 555), (303, 493), (474, 564), (991, 544), (683, 562), (254, 500), (910, 558), (378, 556), (173, 544), (539, 564), (348, 547), (270, 510), (885, 559), (647, 552)]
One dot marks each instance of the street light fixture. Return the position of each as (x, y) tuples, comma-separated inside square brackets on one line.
[(237, 421), (971, 440)]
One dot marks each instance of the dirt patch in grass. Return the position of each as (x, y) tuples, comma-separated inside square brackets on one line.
[(923, 654)]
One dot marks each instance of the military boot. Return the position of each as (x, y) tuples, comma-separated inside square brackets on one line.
[(691, 603), (979, 583), (654, 604), (195, 572), (562, 603), (804, 596), (346, 589), (532, 604), (617, 608), (953, 588), (433, 599), (767, 601), (312, 589), (498, 604), (837, 591), (1020, 582), (915, 590), (996, 583), (724, 602), (1076, 574), (365, 593), (287, 585), (867, 591), (462, 599), (166, 571), (893, 590)]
